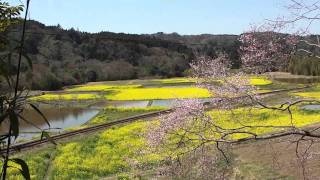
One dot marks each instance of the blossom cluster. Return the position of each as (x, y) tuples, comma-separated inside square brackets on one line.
[(184, 111), (229, 88), (207, 68), (217, 76), (264, 51)]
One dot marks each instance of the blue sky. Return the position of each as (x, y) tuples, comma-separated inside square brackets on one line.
[(151, 16)]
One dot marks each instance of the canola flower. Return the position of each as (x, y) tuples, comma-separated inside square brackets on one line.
[(315, 95), (118, 150), (263, 117), (37, 160), (259, 81), (113, 151), (158, 93), (191, 115)]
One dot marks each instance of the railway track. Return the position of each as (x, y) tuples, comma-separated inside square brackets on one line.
[(21, 146), (34, 143)]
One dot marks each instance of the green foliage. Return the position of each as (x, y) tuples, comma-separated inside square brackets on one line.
[(109, 114), (74, 57), (9, 15), (304, 65), (64, 97), (101, 87), (24, 169), (47, 82), (11, 103)]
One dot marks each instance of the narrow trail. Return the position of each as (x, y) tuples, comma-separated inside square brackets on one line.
[(34, 143)]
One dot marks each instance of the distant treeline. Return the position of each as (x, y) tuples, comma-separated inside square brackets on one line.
[(304, 65), (66, 57)]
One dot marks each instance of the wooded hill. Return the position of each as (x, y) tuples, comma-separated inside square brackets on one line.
[(66, 57)]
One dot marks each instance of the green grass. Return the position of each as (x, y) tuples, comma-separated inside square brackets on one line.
[(158, 93), (101, 87), (175, 80), (38, 162), (109, 114), (120, 84), (65, 97)]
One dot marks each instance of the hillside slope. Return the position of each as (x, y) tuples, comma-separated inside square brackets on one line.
[(65, 57)]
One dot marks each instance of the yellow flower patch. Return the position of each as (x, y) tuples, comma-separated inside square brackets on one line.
[(158, 93), (259, 81)]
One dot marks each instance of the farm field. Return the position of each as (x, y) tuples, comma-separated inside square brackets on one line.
[(118, 147), (153, 89), (312, 93), (123, 149)]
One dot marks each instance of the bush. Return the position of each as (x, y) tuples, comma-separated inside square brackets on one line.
[(304, 65), (47, 82)]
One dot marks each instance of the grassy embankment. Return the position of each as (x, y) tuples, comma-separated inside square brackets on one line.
[(117, 151)]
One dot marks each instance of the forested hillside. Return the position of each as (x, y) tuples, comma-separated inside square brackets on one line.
[(305, 62), (65, 57)]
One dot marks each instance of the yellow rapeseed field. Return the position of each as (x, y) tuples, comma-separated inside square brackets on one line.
[(112, 151), (263, 117), (158, 93), (259, 81), (308, 94)]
